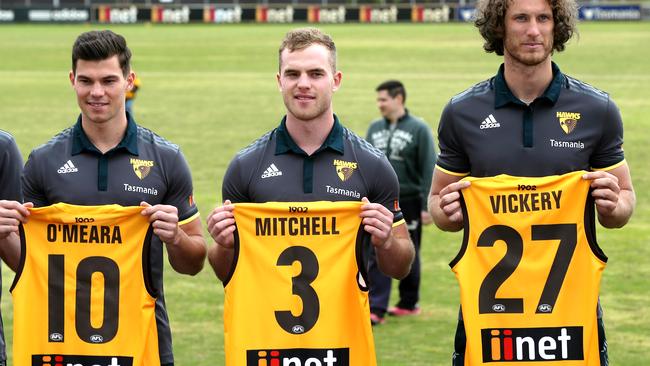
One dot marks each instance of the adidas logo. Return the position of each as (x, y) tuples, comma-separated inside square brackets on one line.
[(490, 122), (271, 171), (68, 167)]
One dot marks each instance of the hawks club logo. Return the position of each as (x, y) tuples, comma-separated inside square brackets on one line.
[(141, 168), (568, 121), (344, 169)]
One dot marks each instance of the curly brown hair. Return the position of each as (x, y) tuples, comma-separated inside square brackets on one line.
[(490, 16), (301, 38)]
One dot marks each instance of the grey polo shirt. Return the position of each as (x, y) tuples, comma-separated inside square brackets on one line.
[(142, 167), (486, 130), (344, 168), (11, 165)]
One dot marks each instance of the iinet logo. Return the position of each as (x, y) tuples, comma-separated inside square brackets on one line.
[(74, 360), (299, 357), (532, 344)]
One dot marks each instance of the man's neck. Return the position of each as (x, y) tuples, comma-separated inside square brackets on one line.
[(394, 117), (310, 135), (107, 135), (528, 82)]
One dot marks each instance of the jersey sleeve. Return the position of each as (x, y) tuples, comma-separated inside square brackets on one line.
[(426, 160), (610, 148), (386, 189), (180, 190), (11, 164), (233, 186), (32, 182), (452, 157)]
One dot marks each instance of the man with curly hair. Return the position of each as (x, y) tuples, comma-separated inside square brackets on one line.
[(530, 120)]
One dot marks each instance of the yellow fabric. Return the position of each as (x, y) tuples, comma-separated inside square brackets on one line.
[(526, 208), (260, 287), (74, 246)]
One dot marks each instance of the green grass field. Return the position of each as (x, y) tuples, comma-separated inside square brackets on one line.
[(212, 90)]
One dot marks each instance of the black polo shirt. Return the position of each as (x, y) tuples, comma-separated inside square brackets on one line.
[(142, 167), (11, 165), (344, 168), (486, 130)]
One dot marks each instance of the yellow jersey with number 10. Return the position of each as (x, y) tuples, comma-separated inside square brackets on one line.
[(297, 294), (529, 271), (82, 294)]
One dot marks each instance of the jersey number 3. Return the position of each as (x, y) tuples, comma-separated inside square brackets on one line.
[(565, 233), (300, 287), (56, 299)]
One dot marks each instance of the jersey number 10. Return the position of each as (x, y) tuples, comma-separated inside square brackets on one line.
[(56, 299)]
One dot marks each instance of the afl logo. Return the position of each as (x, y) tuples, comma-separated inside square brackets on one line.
[(96, 338), (499, 308), (56, 337), (298, 329), (545, 308)]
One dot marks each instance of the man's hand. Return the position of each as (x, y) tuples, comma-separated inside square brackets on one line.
[(164, 220), (450, 201), (12, 214), (605, 191), (221, 225), (378, 222)]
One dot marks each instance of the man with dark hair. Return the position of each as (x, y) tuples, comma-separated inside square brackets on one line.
[(407, 142), (11, 165), (106, 158), (310, 156), (530, 120)]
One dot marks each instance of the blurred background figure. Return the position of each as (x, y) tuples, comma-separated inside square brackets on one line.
[(408, 143), (130, 95)]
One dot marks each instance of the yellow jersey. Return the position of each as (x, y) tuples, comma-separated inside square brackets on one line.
[(297, 291), (82, 294), (529, 271)]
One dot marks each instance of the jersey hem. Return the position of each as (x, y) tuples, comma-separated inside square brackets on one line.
[(189, 219), (450, 172), (610, 167), (23, 258)]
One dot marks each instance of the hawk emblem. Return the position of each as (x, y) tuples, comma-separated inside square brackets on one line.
[(141, 168), (344, 169)]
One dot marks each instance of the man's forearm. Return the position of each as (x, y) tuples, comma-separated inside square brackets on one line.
[(10, 251), (188, 255), (221, 260), (395, 257)]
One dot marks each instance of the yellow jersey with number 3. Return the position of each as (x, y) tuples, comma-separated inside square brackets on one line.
[(82, 293), (529, 271), (297, 290)]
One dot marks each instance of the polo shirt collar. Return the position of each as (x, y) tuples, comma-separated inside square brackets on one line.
[(503, 95), (285, 143), (81, 142)]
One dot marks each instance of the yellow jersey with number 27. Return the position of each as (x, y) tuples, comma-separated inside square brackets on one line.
[(529, 271)]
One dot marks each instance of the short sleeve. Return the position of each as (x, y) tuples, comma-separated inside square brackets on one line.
[(232, 187), (11, 165), (426, 161), (386, 188), (452, 156), (610, 148), (32, 182), (180, 190)]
